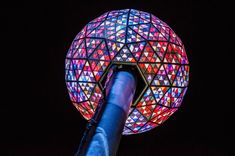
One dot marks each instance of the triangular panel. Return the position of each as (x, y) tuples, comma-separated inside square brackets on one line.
[(147, 99), (159, 92), (81, 51), (171, 54), (159, 47), (114, 48), (159, 119), (75, 92), (182, 77), (91, 27), (91, 44), (171, 96), (98, 67), (174, 38), (98, 31), (136, 49), (146, 110), (154, 34), (132, 36), (124, 55), (149, 70), (100, 53), (135, 121), (171, 70), (95, 97), (133, 19), (87, 75), (179, 100), (142, 29), (148, 55), (87, 88), (78, 66), (161, 78)]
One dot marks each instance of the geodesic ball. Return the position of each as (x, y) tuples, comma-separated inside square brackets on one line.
[(136, 38)]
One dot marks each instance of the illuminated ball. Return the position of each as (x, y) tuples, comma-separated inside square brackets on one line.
[(129, 37)]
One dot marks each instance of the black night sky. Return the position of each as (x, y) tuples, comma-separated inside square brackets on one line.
[(37, 117)]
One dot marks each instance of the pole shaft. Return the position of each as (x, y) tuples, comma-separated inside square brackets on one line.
[(108, 133)]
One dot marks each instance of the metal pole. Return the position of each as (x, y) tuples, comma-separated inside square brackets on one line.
[(108, 133)]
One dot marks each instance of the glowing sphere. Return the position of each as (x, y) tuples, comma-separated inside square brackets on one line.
[(129, 37)]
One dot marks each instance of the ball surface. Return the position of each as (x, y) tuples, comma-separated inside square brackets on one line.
[(129, 37)]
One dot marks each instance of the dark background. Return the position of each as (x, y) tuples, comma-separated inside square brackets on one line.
[(37, 117)]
